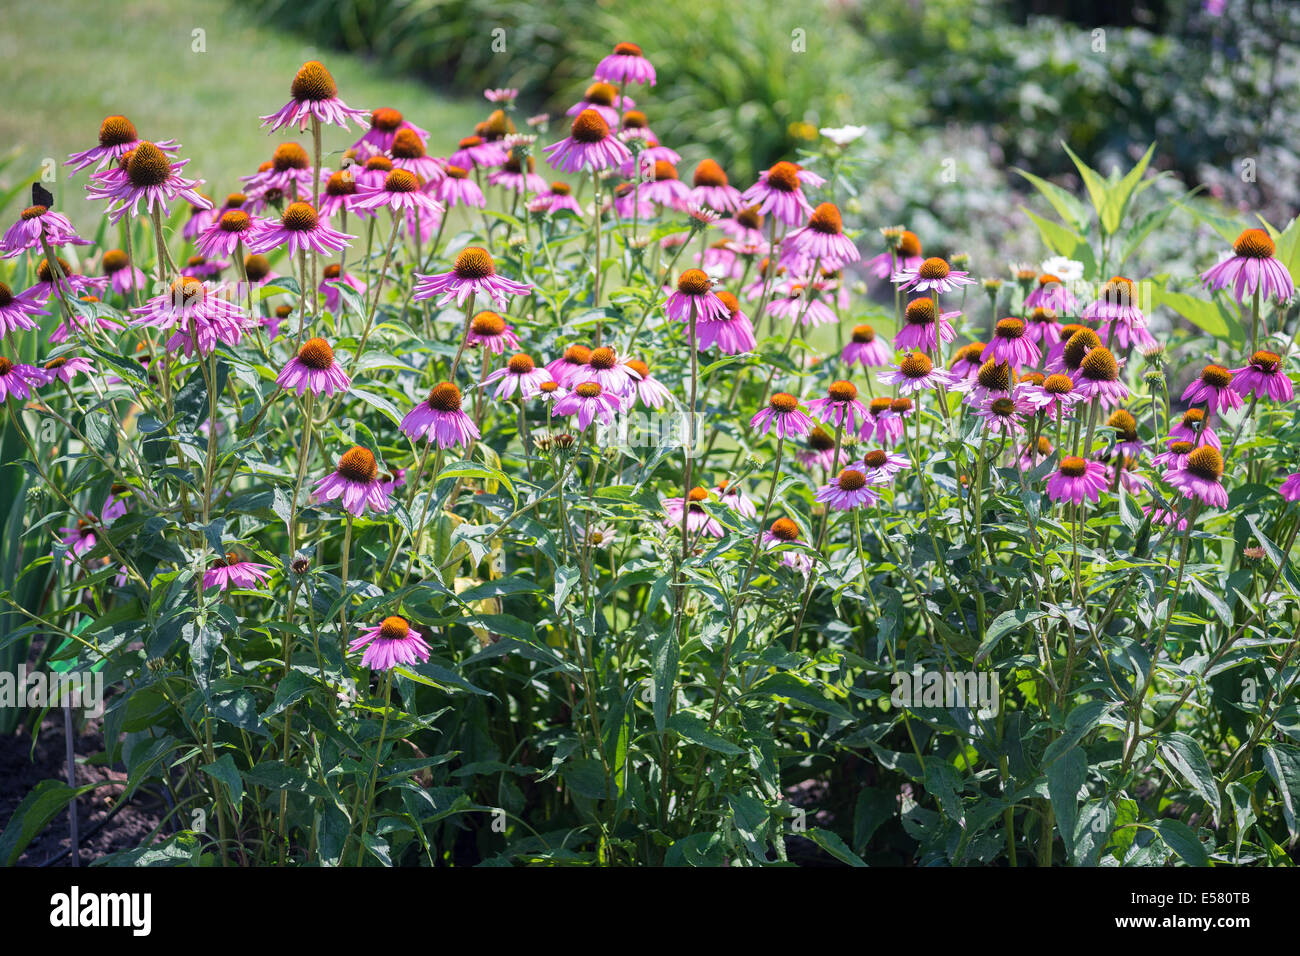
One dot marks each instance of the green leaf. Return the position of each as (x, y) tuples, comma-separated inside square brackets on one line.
[(1065, 780), (1002, 625), (1185, 756), (832, 844), (1208, 316), (1069, 208), (1064, 241), (663, 661), (695, 730), (224, 771), (1242, 811), (1120, 194), (791, 687), (1182, 839), (1093, 182), (41, 805), (1283, 765)]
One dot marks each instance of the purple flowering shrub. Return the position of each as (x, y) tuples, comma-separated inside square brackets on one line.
[(548, 502)]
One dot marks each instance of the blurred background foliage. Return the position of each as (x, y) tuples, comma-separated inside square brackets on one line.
[(954, 93), (1212, 83)]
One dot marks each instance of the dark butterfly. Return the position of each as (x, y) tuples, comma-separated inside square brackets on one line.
[(42, 196)]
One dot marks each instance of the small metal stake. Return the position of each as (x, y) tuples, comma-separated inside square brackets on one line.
[(72, 781)]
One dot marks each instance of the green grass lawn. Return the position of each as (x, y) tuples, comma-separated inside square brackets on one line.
[(69, 63)]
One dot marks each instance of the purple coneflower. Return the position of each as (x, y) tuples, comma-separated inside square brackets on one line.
[(390, 643), (18, 312), (819, 447), (65, 369), (400, 190), (475, 152), (840, 406), (17, 380), (1213, 389), (1118, 317), (473, 273), (664, 188), (408, 152), (604, 99), (866, 348), (779, 191), (782, 413), (1077, 479), (626, 64), (734, 497), (697, 519), (881, 466), (733, 334), (231, 571), (1263, 377), (571, 362), (385, 124), (517, 174), (356, 481), (1195, 427), (649, 390), (457, 189), (1201, 477), (1174, 457), (904, 253), (1055, 397), (587, 400), (1098, 377), (1252, 267), (915, 373), (301, 229), (117, 137), (1005, 415), (694, 296), (604, 368), (589, 146), (558, 197), (710, 187), (491, 331), (807, 310), (189, 306), (1127, 441), (1051, 293), (331, 279), (123, 277), (925, 328), (1290, 488), (823, 239), (147, 175), (849, 490), (78, 539), (933, 274), (314, 95), (785, 532), (314, 368), (441, 417), (32, 223), (1011, 344), (1043, 326), (519, 373)]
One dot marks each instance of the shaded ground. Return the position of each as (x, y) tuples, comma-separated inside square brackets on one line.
[(21, 770)]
